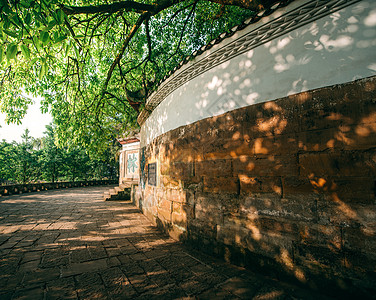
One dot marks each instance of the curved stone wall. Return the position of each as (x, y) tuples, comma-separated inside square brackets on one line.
[(284, 183)]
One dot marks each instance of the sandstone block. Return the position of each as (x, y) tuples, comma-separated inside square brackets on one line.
[(260, 184), (327, 236), (286, 144), (332, 210), (360, 239), (266, 165), (165, 204), (295, 187), (170, 182), (164, 215), (351, 190), (208, 215), (227, 148), (319, 140), (218, 167), (202, 229), (312, 258), (360, 135), (221, 184), (177, 232)]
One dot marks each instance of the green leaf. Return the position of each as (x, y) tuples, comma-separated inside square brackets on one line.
[(25, 3), (27, 41), (1, 53), (43, 70), (16, 20), (37, 14), (11, 33), (44, 36), (51, 24), (68, 47), (21, 33), (5, 8), (6, 23), (11, 51), (25, 51), (59, 39), (60, 16), (36, 42), (28, 19), (77, 51), (34, 60)]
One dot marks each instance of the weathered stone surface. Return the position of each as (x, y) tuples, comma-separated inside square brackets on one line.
[(286, 185), (105, 250), (220, 184)]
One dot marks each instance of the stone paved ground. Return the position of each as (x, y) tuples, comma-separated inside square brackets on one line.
[(70, 244)]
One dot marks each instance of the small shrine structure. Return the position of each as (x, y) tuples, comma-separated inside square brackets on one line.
[(129, 159)]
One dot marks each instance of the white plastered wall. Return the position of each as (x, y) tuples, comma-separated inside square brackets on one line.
[(337, 48)]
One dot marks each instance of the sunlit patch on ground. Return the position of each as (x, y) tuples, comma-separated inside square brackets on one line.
[(71, 244)]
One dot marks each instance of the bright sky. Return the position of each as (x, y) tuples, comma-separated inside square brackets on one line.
[(34, 120)]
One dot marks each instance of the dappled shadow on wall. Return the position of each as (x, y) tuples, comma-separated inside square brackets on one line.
[(289, 183), (336, 49)]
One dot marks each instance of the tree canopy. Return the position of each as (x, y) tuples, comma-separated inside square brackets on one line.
[(96, 61)]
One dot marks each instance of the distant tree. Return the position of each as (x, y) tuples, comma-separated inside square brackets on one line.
[(8, 159), (26, 159), (76, 164), (51, 156)]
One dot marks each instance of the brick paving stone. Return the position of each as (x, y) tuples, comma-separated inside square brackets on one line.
[(97, 252), (113, 262), (36, 293), (80, 254), (31, 256), (113, 251), (161, 278), (62, 288), (39, 277), (241, 288), (84, 267), (70, 244), (194, 287), (217, 293), (181, 274), (167, 292), (29, 266), (142, 283)]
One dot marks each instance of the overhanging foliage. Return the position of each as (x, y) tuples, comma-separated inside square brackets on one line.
[(95, 62)]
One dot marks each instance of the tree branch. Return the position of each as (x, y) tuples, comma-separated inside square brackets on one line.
[(255, 5), (133, 31), (182, 32), (108, 8), (148, 37), (176, 13)]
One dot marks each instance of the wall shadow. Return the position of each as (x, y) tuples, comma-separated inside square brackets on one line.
[(286, 187), (69, 244)]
